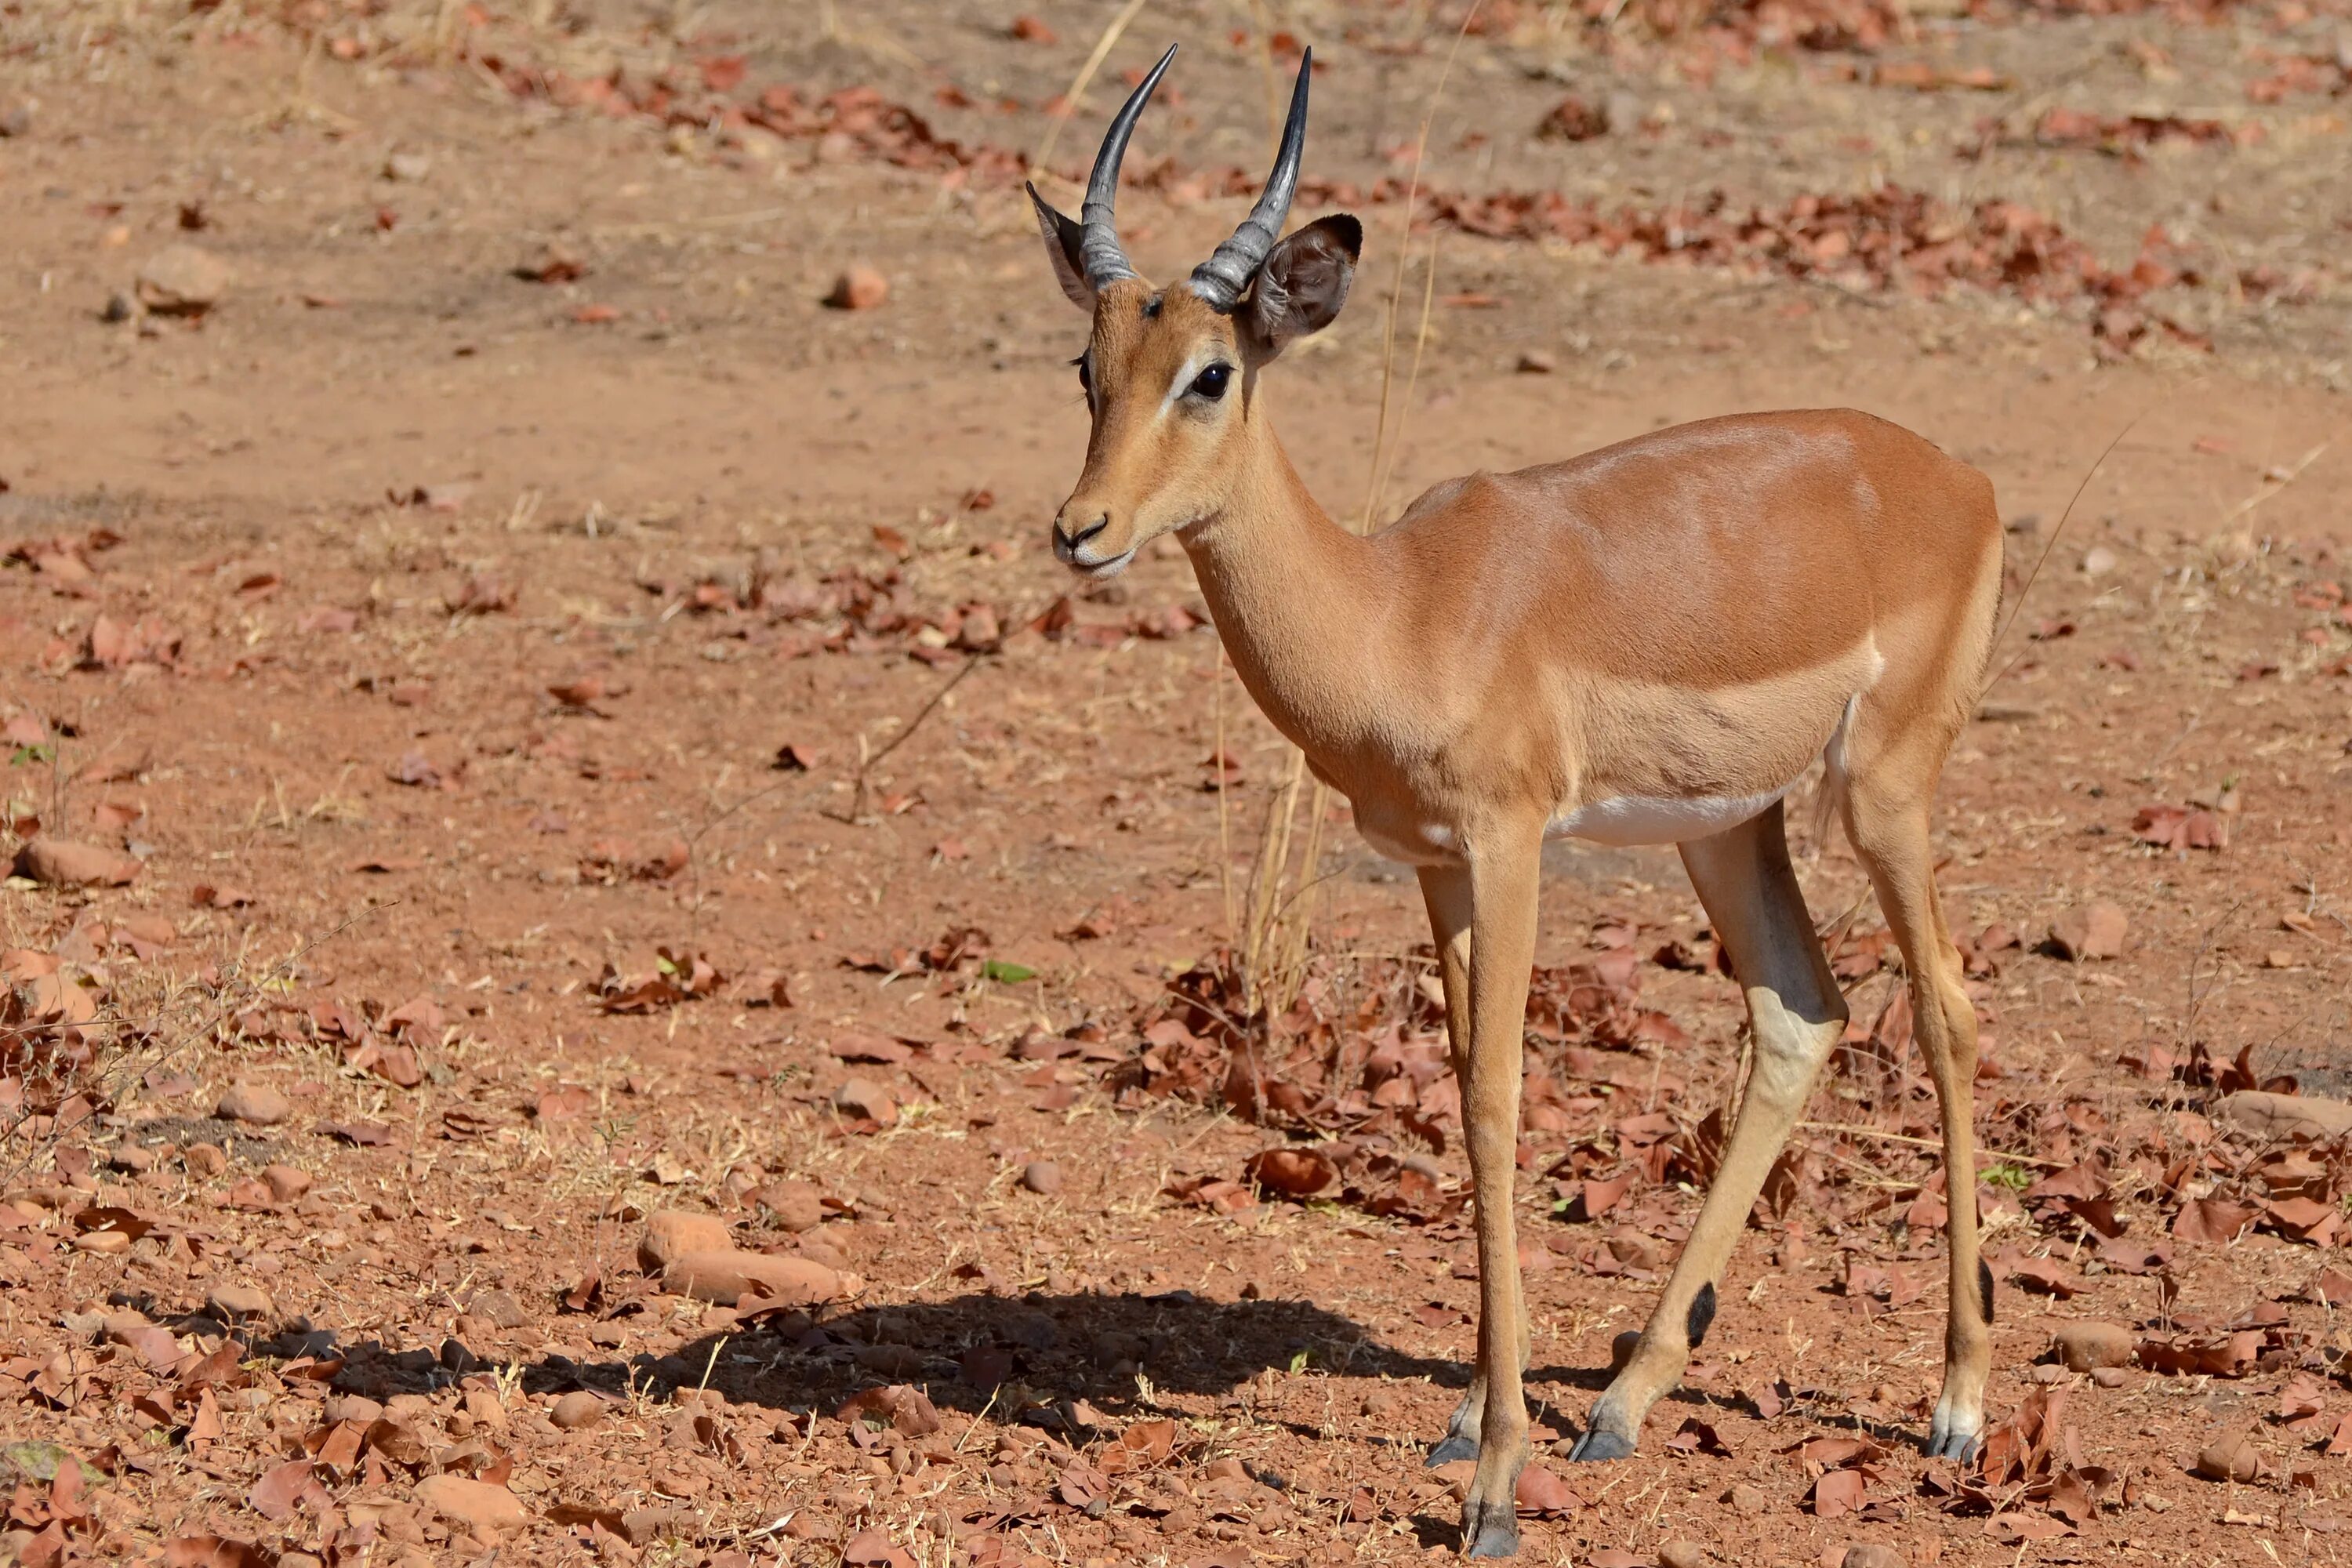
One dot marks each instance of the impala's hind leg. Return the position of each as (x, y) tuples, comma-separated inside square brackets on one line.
[(1446, 891), (1744, 878), (1886, 817)]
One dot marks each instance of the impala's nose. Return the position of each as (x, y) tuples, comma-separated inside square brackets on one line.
[(1066, 545)]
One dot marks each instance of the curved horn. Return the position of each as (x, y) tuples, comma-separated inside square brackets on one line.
[(1098, 252), (1220, 279)]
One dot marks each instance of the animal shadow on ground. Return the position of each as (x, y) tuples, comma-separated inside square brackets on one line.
[(1042, 1355)]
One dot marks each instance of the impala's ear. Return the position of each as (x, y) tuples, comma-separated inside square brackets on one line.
[(1303, 281), (1062, 239)]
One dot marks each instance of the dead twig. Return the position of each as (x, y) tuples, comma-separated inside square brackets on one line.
[(2042, 560), (1851, 1129), (867, 760), (2273, 482)]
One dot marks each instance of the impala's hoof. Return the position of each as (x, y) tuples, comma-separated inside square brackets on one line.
[(1490, 1530), (1597, 1444), (1953, 1442), (1452, 1447), (1958, 1431)]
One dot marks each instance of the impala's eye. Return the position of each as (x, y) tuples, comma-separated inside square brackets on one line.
[(1210, 382), (1086, 376)]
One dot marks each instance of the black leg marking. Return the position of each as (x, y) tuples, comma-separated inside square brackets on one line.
[(1984, 1289), (1702, 1313)]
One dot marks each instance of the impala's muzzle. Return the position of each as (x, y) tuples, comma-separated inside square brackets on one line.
[(1091, 547)]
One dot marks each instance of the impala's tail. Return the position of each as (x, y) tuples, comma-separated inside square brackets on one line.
[(1829, 800)]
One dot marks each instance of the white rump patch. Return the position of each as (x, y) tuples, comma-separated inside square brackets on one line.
[(1630, 819)]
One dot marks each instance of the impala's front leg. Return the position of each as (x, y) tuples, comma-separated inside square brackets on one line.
[(1447, 890), (1504, 868)]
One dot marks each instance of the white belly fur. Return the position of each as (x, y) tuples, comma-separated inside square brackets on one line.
[(1628, 820)]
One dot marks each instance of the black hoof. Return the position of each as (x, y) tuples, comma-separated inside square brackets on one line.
[(1490, 1530), (1597, 1444), (1452, 1447), (1959, 1446)]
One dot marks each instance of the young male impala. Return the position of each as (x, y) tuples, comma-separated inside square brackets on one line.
[(1648, 644)]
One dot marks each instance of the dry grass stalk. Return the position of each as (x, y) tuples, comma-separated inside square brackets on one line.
[(1276, 935), (1396, 290), (1278, 932), (1103, 46)]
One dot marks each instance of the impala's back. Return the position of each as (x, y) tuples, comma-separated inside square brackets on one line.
[(1708, 581)]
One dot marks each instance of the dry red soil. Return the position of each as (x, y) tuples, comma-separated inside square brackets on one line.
[(523, 718)]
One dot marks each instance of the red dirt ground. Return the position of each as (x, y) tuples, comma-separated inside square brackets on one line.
[(477, 637)]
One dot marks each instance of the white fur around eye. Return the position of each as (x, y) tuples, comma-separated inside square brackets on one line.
[(1188, 375)]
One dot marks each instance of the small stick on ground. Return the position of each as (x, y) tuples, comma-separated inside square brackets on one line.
[(2272, 487), (905, 732)]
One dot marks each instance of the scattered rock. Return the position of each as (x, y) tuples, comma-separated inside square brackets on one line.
[(2098, 561), (671, 1234), (406, 167), (485, 1408), (236, 1303), (1634, 1250), (642, 1527), (2110, 1376), (1042, 1176), (476, 1504), (61, 863), (889, 1361), (797, 1205), (1574, 120), (1682, 1554), (2090, 930), (577, 1411), (182, 281), (1537, 362), (818, 1250), (2091, 1345), (555, 263), (864, 1097), (107, 1242), (726, 1277), (1749, 1499), (1873, 1554), (2231, 1459), (204, 1161), (2287, 1115), (499, 1308), (257, 1104), (287, 1183), (16, 120), (858, 288)]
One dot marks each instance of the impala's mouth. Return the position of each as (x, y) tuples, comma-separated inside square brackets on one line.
[(1096, 571)]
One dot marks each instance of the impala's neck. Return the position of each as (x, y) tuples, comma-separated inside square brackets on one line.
[(1299, 600)]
